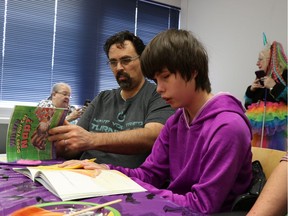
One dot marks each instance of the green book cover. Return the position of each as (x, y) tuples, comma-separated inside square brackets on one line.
[(28, 132)]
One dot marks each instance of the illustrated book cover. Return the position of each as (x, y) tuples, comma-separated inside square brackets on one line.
[(28, 131), (70, 184)]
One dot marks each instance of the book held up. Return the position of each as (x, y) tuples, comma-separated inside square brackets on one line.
[(28, 132)]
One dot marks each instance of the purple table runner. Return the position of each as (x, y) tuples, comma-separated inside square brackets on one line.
[(18, 191)]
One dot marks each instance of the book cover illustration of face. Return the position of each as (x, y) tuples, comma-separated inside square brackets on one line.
[(38, 138)]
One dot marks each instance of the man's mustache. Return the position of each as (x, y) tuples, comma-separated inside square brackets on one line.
[(122, 74)]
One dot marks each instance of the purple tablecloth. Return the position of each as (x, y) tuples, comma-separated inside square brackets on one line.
[(18, 191)]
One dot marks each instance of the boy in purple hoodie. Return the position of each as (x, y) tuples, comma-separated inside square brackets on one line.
[(204, 148)]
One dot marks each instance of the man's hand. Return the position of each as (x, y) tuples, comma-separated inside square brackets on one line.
[(71, 140)]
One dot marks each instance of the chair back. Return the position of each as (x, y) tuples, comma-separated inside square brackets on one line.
[(269, 158)]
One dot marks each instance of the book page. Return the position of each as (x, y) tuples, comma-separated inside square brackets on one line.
[(72, 184), (30, 172), (3, 158)]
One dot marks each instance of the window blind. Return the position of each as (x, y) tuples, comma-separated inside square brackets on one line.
[(44, 42)]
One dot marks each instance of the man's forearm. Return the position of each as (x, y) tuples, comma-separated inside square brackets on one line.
[(127, 142)]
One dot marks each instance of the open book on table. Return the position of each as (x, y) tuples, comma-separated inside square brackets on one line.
[(71, 184)]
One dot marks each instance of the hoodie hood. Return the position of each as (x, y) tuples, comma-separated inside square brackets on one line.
[(219, 103)]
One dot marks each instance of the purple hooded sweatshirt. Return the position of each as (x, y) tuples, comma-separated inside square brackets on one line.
[(208, 162)]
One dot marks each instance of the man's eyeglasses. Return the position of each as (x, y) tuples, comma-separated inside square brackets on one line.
[(123, 61), (65, 94)]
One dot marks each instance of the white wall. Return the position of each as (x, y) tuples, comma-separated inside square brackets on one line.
[(232, 33), (176, 3)]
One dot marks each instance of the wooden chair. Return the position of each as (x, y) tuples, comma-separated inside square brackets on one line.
[(269, 158)]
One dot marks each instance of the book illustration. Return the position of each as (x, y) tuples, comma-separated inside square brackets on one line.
[(28, 132), (39, 136)]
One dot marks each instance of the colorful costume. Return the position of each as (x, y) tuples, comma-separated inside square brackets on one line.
[(267, 108)]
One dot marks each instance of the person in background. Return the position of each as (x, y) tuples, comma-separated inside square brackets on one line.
[(272, 200), (74, 114), (266, 99), (60, 98), (204, 148), (119, 125)]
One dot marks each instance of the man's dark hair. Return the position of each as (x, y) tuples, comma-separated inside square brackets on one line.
[(122, 36), (178, 51)]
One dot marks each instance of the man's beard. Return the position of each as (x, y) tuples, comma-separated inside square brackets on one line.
[(125, 84)]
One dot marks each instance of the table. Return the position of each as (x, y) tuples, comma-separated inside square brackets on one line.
[(18, 191)]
